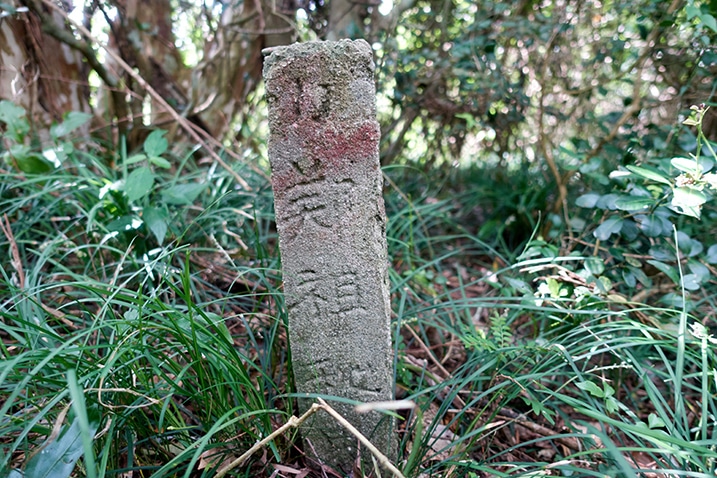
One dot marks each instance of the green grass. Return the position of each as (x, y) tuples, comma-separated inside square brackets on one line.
[(175, 368), (168, 359)]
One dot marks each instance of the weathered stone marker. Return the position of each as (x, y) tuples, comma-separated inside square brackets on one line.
[(323, 149)]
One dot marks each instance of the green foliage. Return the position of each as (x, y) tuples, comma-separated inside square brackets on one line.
[(73, 120), (500, 335), (58, 458), (637, 220), (135, 345), (26, 158), (13, 117), (701, 13), (561, 340), (136, 206)]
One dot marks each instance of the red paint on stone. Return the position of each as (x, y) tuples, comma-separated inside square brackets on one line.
[(338, 152)]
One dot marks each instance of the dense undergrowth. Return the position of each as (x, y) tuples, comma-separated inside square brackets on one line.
[(144, 327)]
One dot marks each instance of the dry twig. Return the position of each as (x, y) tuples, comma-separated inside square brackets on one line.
[(14, 251), (295, 422)]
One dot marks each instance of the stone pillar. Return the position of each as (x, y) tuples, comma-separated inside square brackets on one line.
[(323, 149)]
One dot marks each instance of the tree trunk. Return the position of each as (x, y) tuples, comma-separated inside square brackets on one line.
[(38, 72), (211, 94), (233, 61)]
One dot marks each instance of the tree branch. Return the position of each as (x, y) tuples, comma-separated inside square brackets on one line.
[(66, 37), (183, 122)]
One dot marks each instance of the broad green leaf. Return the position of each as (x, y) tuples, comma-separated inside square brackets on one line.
[(699, 269), (556, 288), (709, 21), (707, 163), (662, 253), (634, 262), (686, 165), (139, 183), (73, 120), (156, 143), (649, 174), (611, 404), (587, 200), (157, 220), (160, 162), (26, 160), (666, 269), (653, 421), (595, 265), (33, 163), (654, 225), (691, 282), (692, 12), (539, 249), (183, 193), (610, 226), (578, 224), (650, 226), (15, 151), (673, 300), (135, 158), (591, 388), (14, 117), (710, 179), (58, 458), (629, 278), (688, 201), (692, 211), (690, 247), (631, 203), (518, 284), (711, 257), (124, 223), (607, 201), (10, 112), (641, 276), (689, 196), (629, 230), (58, 154), (607, 389), (604, 284)]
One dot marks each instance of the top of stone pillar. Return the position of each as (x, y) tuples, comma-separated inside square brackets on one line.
[(289, 67)]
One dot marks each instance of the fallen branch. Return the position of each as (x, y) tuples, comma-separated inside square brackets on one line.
[(295, 422), (292, 423), (382, 459)]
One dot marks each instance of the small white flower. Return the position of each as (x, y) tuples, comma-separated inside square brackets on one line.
[(700, 332)]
